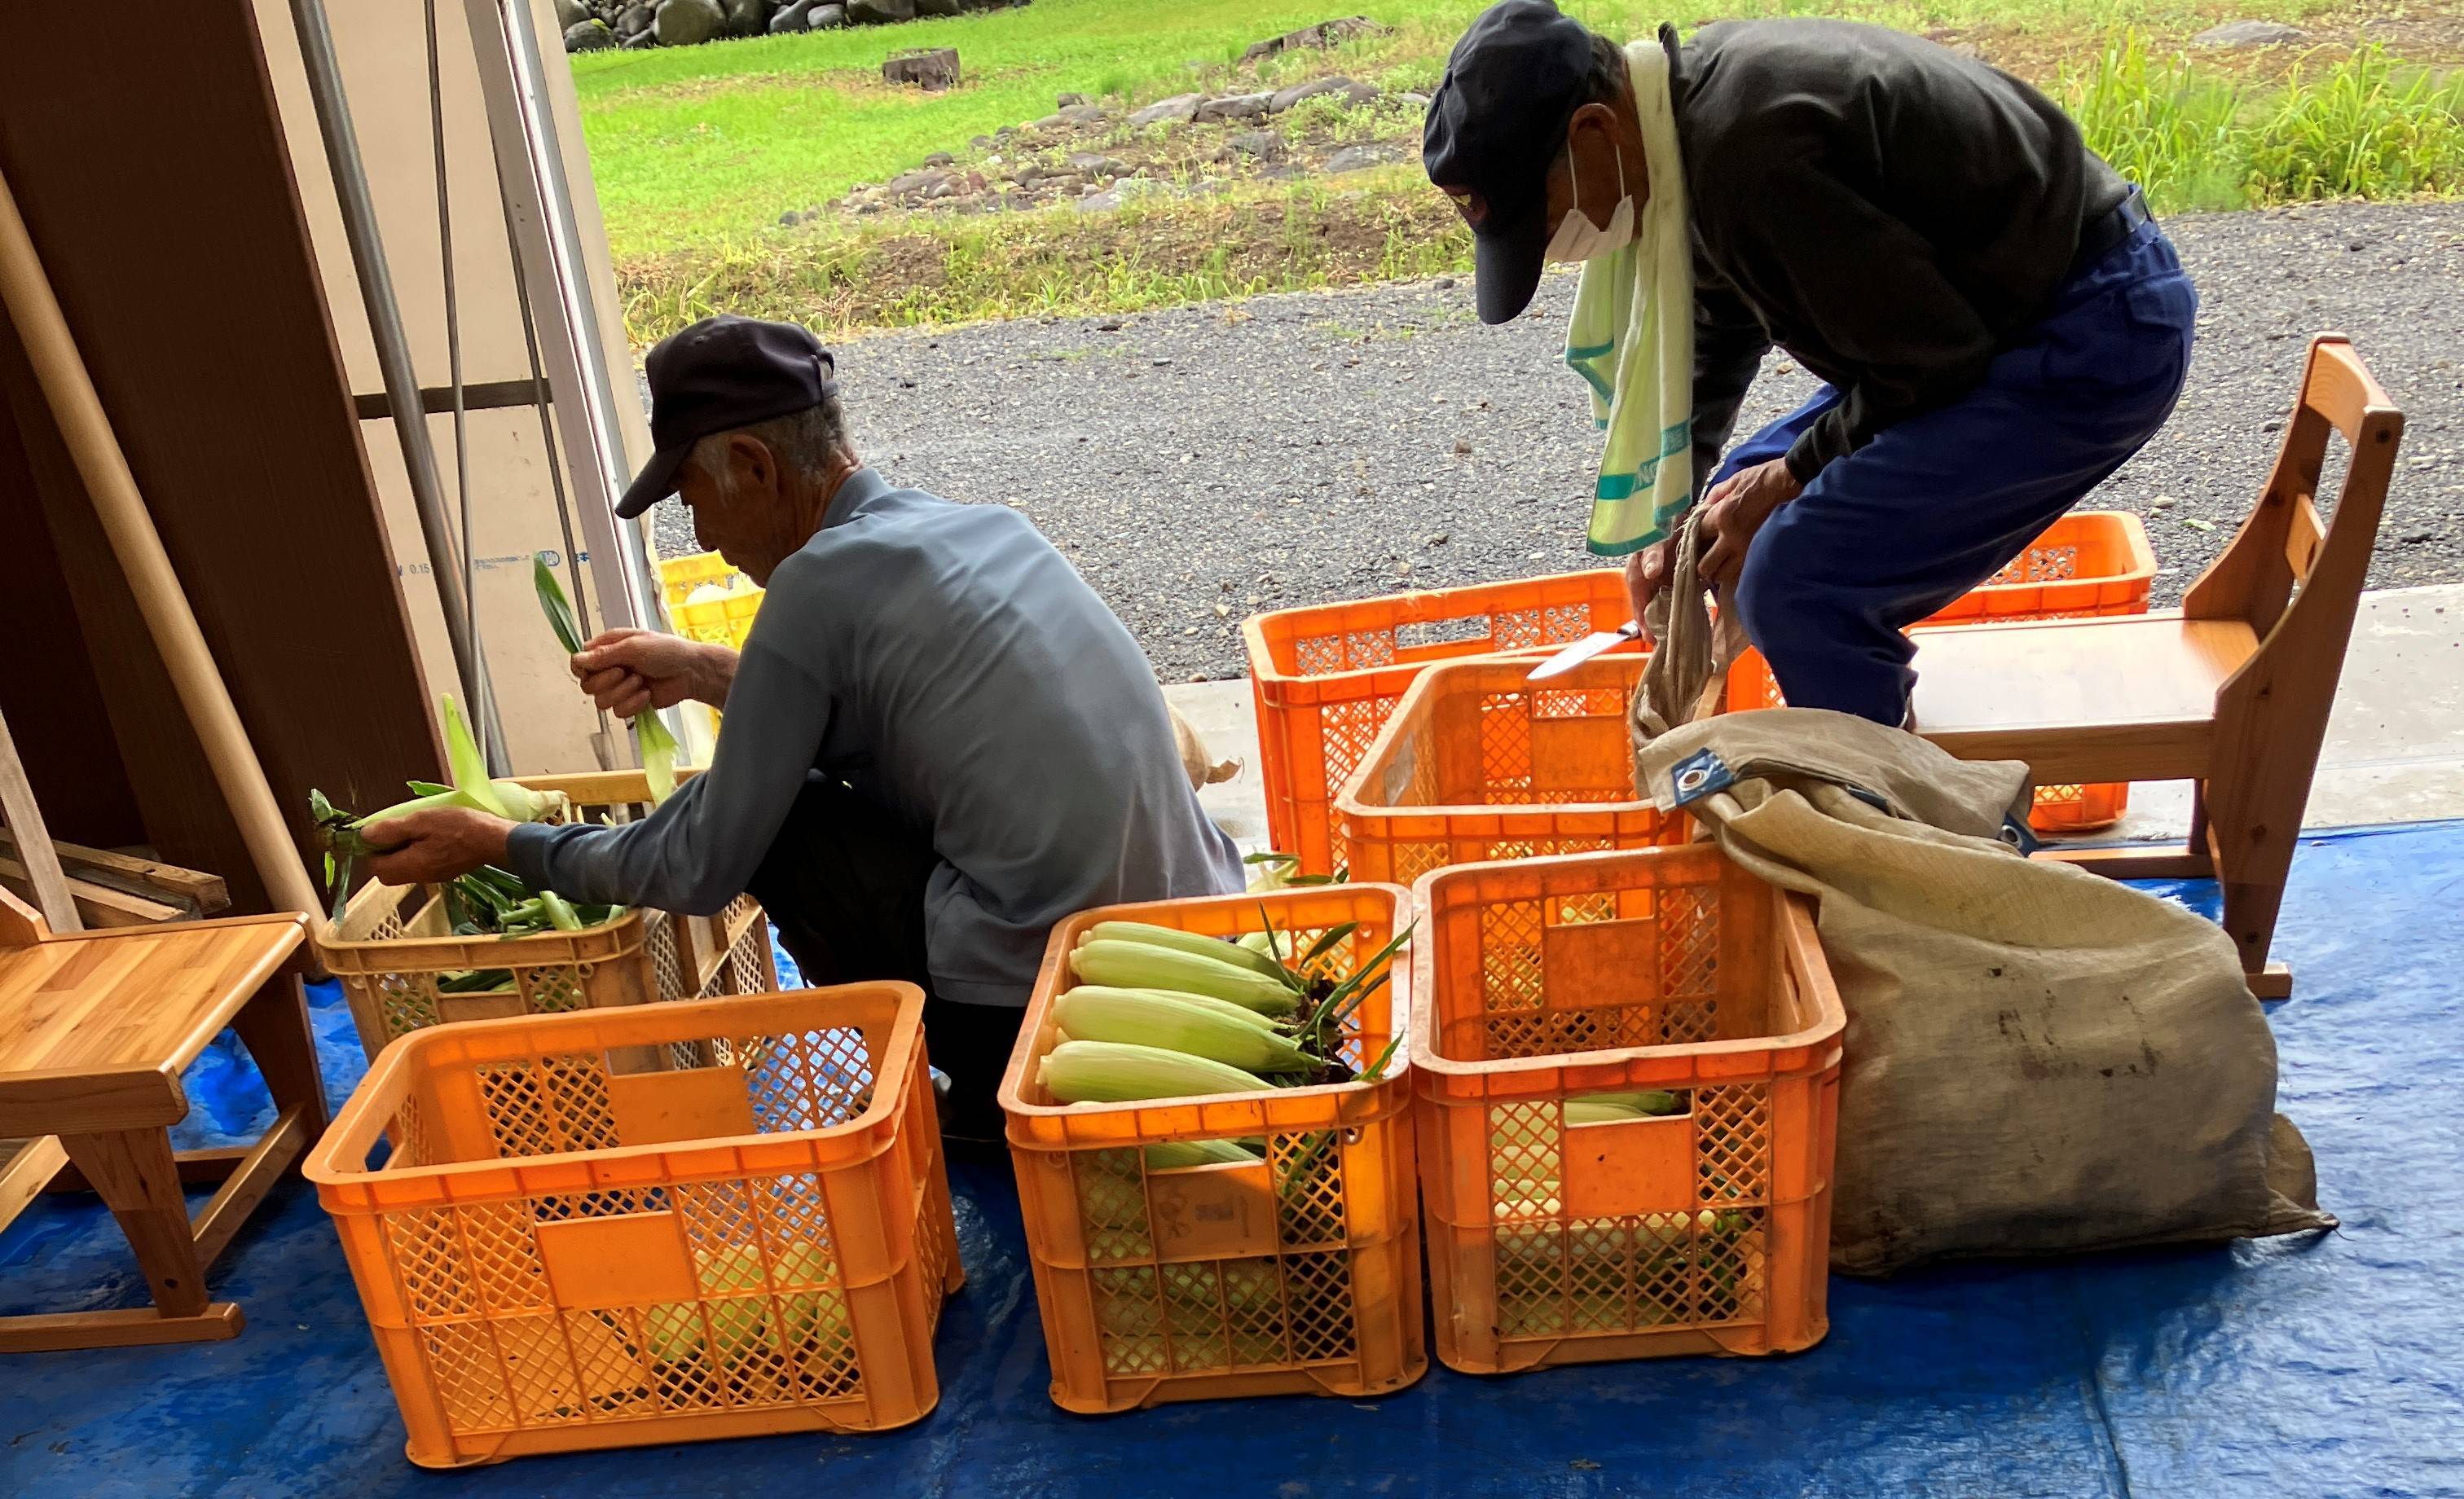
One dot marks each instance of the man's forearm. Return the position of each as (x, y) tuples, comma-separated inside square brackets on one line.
[(713, 675)]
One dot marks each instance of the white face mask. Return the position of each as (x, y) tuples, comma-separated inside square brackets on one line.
[(1577, 237)]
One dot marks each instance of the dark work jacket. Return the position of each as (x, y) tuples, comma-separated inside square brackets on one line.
[(1887, 212)]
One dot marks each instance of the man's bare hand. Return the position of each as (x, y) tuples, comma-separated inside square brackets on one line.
[(430, 846), (626, 672), (1646, 573), (1735, 510)]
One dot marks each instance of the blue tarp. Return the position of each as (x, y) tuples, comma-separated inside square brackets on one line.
[(2316, 1366)]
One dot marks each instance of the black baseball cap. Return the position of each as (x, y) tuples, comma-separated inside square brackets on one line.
[(721, 374), (1496, 124)]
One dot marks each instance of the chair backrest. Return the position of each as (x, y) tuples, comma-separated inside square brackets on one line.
[(2298, 585), (2283, 551)]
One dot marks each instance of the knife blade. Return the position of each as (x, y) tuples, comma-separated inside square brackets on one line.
[(1583, 650)]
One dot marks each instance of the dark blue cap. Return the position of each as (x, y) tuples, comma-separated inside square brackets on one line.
[(721, 374), (1496, 124)]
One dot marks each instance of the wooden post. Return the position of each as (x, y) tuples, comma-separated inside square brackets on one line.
[(83, 424), (25, 820)]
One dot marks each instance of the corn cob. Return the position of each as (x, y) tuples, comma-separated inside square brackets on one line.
[(1104, 1071), (1240, 1012), (1607, 1107), (1095, 1014), (1174, 1154), (1186, 943), (1138, 965)]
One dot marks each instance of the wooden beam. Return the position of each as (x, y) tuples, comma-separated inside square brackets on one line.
[(27, 1169), (45, 879), (197, 1168), (203, 893), (263, 1166), (99, 905), (134, 1327)]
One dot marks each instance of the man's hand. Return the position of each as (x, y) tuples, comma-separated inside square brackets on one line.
[(428, 847), (1646, 573), (626, 672), (1735, 509)]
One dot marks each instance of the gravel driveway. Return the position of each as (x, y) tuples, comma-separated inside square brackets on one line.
[(1208, 462)]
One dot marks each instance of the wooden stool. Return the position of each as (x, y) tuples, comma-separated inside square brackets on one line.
[(95, 1029), (2230, 692)]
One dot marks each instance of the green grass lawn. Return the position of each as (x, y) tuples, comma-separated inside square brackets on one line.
[(697, 151)]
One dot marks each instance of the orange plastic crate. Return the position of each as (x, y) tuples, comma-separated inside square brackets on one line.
[(1706, 1231), (650, 1225), (1325, 677), (1479, 763), (2089, 564), (1300, 1274)]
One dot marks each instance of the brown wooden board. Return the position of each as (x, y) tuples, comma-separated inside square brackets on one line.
[(189, 287)]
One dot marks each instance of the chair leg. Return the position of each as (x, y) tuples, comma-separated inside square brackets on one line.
[(134, 1174), (2254, 855), (275, 1027)]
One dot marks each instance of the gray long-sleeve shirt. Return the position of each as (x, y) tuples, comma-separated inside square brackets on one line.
[(945, 661)]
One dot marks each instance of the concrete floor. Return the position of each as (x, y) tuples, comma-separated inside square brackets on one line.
[(2394, 750)]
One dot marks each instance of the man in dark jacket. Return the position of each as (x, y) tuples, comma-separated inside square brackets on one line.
[(1997, 321)]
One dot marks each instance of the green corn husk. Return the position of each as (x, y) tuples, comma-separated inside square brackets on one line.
[(1176, 1155), (1138, 965), (651, 735), (1102, 1071), (1186, 943), (1089, 1013)]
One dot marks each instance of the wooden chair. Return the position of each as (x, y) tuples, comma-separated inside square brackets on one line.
[(2230, 692), (95, 1029)]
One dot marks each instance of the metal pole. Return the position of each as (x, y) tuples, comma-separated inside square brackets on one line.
[(530, 172), (393, 355)]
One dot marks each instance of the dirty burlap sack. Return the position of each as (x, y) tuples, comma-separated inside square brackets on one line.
[(2038, 1060)]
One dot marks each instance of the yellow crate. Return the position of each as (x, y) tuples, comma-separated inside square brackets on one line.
[(679, 576)]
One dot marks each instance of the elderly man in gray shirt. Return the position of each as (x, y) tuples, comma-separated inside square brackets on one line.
[(939, 740)]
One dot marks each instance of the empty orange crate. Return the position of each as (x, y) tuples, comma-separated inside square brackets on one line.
[(1325, 677), (1706, 1231), (1479, 763), (1300, 1274), (2089, 564), (650, 1225)]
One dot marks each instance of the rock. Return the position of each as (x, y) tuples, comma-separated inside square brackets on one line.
[(2251, 34), (635, 20), (588, 36), (925, 8), (1419, 101), (1325, 33), (917, 183), (939, 158), (1179, 109), (1283, 171), (932, 69), (1286, 98), (982, 142), (791, 16), (1359, 93), (1104, 202), (1234, 106), (570, 14), (1264, 144), (790, 219), (1355, 158), (1094, 163), (1065, 101), (879, 12), (1083, 117), (639, 40), (825, 18), (686, 23), (747, 17), (1047, 123)]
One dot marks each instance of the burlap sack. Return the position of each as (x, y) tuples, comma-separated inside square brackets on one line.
[(2038, 1060)]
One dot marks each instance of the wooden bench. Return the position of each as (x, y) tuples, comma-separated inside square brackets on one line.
[(96, 1028), (2231, 692)]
